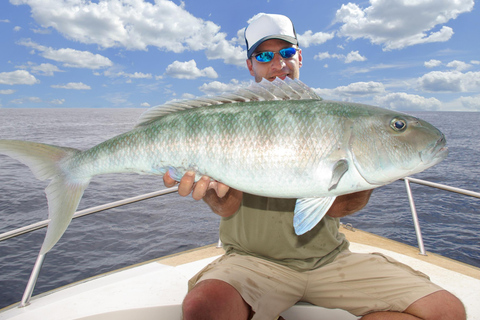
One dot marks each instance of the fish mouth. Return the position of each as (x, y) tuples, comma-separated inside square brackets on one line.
[(436, 153)]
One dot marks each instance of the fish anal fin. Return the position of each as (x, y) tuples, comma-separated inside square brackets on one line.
[(309, 211)]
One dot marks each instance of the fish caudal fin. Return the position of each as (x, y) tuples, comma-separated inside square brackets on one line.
[(309, 211), (64, 191)]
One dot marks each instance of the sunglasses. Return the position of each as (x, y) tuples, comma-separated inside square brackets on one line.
[(267, 56)]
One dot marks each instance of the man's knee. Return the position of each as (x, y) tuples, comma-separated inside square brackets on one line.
[(438, 305), (214, 299)]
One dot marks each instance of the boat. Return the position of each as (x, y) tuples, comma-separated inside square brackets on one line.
[(155, 289)]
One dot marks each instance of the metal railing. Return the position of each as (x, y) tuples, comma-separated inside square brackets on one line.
[(42, 224), (416, 223)]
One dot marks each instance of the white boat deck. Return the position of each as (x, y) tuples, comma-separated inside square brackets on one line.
[(155, 290)]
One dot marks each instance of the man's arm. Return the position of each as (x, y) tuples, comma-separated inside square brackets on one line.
[(222, 199), (347, 204)]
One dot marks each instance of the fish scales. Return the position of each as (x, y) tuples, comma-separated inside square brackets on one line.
[(264, 143), (253, 143)]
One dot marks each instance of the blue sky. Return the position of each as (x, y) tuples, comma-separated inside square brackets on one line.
[(406, 55)]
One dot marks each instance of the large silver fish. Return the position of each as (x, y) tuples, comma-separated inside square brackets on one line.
[(276, 139)]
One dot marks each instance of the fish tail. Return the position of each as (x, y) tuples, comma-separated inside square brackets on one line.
[(64, 191)]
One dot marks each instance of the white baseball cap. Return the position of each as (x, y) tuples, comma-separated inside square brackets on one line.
[(269, 26)]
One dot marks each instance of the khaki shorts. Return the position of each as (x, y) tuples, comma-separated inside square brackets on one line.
[(358, 283)]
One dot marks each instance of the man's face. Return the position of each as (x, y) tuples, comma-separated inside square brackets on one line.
[(278, 67)]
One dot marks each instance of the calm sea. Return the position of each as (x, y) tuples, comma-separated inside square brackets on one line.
[(131, 234)]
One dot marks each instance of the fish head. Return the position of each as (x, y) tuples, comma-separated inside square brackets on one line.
[(387, 146)]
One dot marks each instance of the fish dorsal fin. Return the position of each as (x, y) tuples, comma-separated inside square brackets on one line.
[(265, 90)]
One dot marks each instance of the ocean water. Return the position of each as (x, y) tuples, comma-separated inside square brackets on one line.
[(164, 225)]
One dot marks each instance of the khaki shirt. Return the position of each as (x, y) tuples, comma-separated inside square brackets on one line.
[(263, 227)]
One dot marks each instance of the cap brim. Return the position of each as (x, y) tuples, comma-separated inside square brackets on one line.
[(286, 38)]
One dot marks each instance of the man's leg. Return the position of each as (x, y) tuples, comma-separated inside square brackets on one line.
[(378, 287), (243, 287), (214, 299), (440, 305)]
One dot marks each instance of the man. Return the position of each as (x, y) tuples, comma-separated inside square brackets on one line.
[(267, 268)]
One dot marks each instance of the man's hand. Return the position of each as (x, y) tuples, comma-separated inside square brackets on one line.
[(223, 200), (199, 189)]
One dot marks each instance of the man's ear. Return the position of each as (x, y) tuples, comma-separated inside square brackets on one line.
[(300, 57), (250, 67)]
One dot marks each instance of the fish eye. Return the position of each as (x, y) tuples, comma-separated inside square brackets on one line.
[(398, 124)]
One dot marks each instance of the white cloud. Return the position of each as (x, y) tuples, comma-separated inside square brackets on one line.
[(17, 28), (70, 57), (134, 25), (57, 101), (77, 59), (404, 101), (118, 99), (17, 77), (135, 75), (8, 91), (139, 75), (470, 103), (220, 48), (37, 100), (396, 24), (355, 89), (309, 38), (217, 87), (349, 58), (145, 105), (432, 63), (41, 31), (27, 100), (459, 65), (45, 69), (354, 56), (450, 81), (189, 70), (324, 55), (240, 38), (72, 85), (188, 96)]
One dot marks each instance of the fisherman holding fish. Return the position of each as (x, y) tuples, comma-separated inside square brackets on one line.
[(290, 165), (267, 268)]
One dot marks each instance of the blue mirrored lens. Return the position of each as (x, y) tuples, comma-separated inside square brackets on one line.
[(267, 56), (288, 52)]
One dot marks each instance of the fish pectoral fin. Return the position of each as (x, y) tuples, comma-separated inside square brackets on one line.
[(309, 211), (339, 169)]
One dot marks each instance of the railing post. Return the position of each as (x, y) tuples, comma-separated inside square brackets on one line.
[(416, 223), (32, 281)]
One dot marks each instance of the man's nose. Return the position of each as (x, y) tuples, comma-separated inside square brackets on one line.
[(277, 62)]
